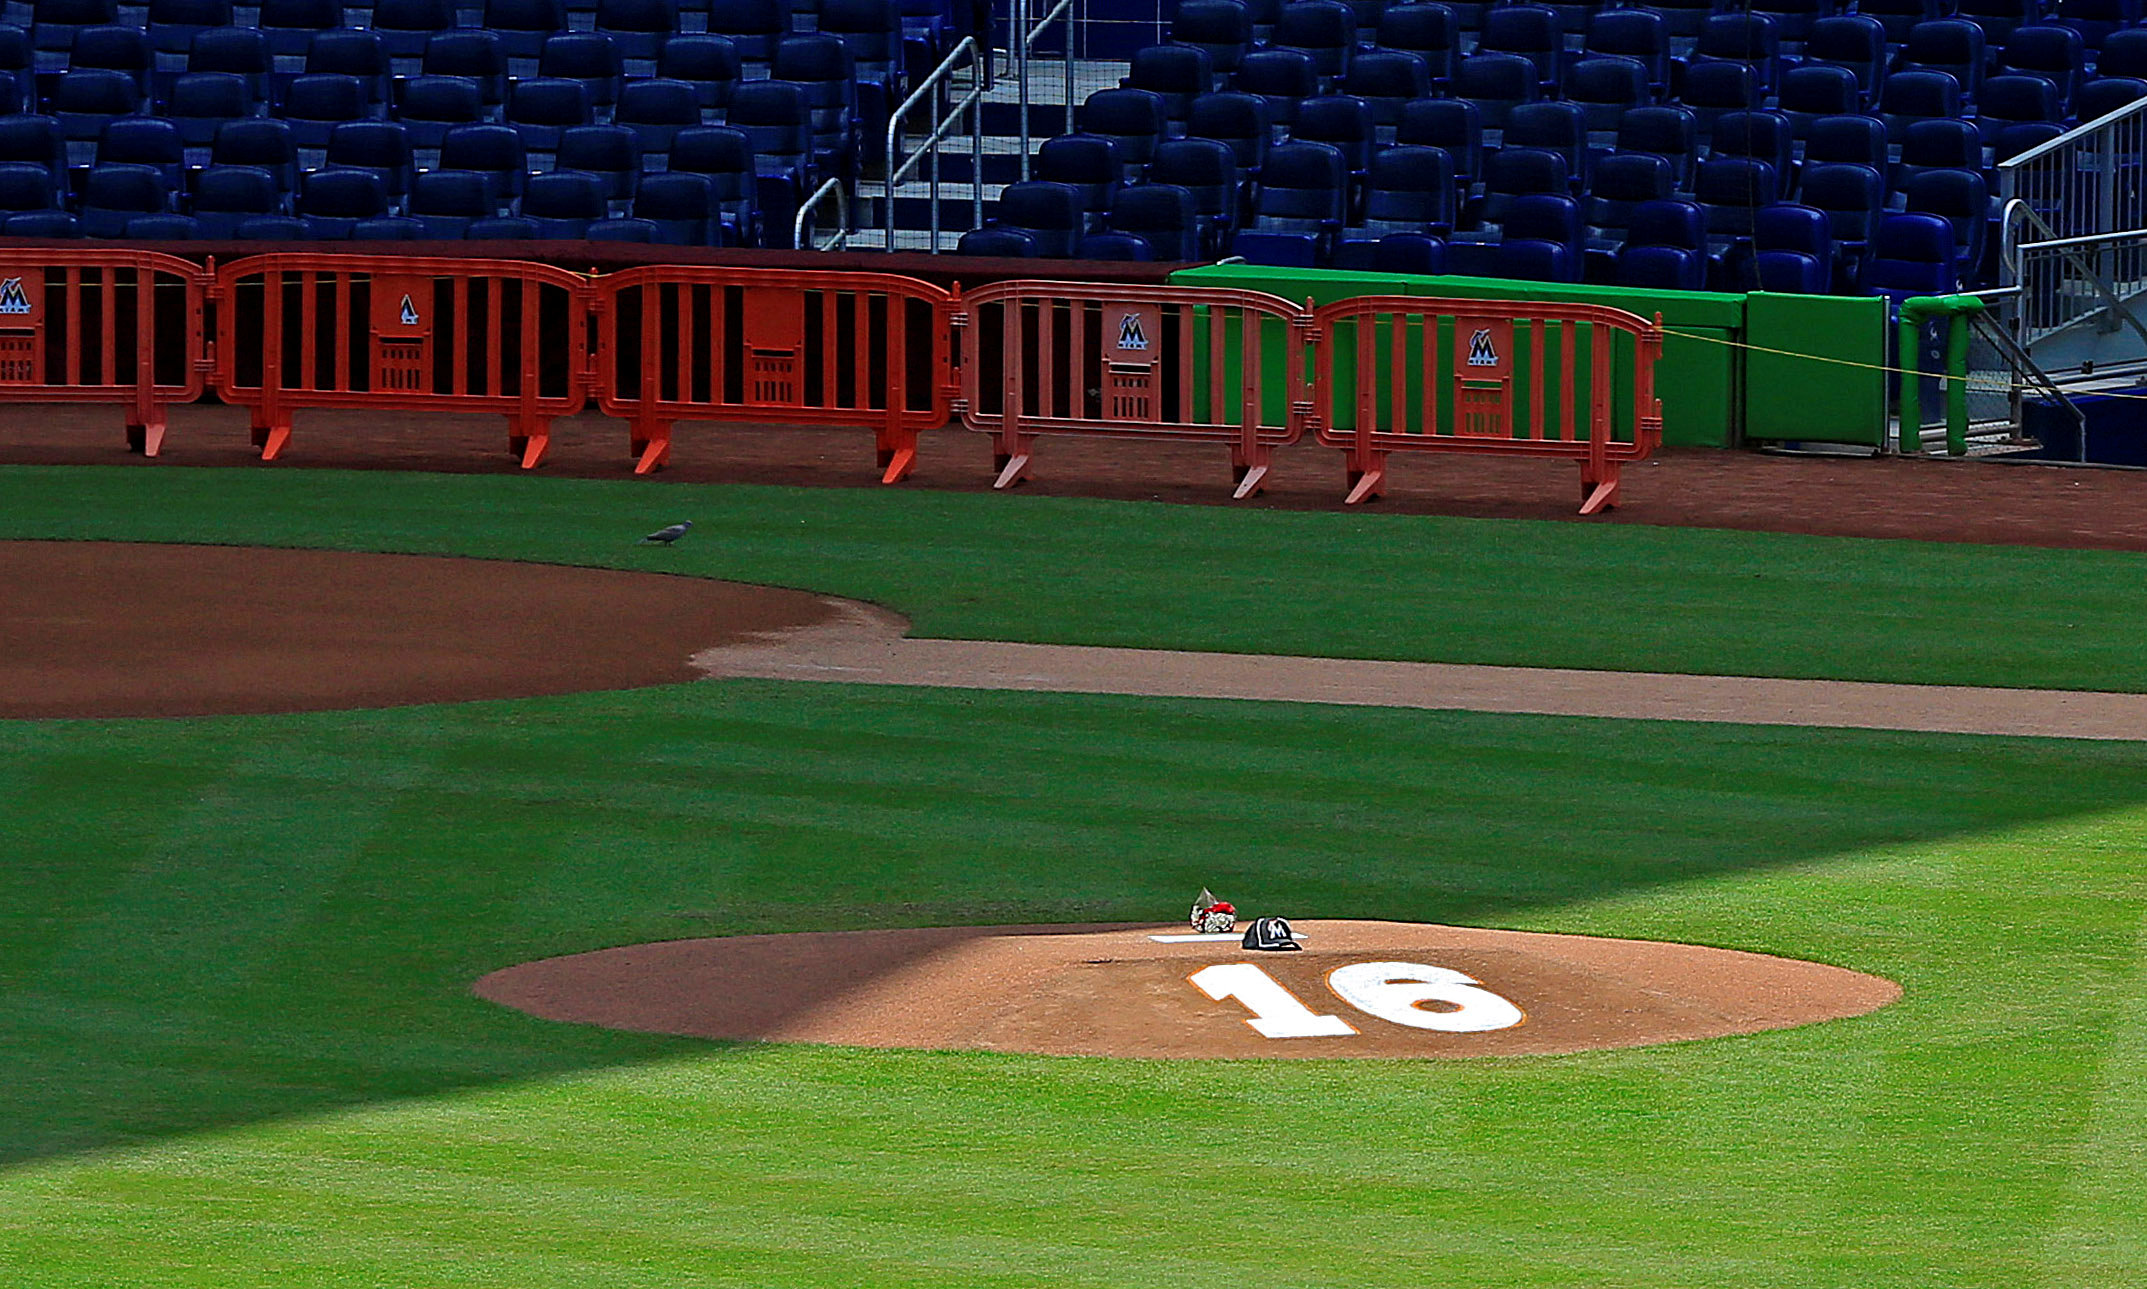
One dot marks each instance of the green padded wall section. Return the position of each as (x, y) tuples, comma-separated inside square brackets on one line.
[(1805, 398)]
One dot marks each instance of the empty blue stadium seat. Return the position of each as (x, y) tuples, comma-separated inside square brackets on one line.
[(432, 106), (266, 144), (1208, 170), (1006, 243), (710, 64), (1852, 197), (356, 54), (33, 140), (523, 26), (1959, 197), (2099, 98), (1937, 145), (235, 51), (1237, 121), (1637, 34), (753, 26), (1669, 268), (1221, 29), (1410, 189), (379, 147), (1386, 81), (872, 31), (542, 109), (682, 206), (1897, 16), (821, 66), (1341, 121), (637, 28), (1999, 19), (1731, 190), (564, 203), (1671, 133), (1624, 182), (447, 202), (1496, 84), (1324, 29), (2047, 50), (1177, 74), (1163, 215), (314, 105), (2123, 53), (53, 24), (331, 202), (1908, 97), (144, 141), (724, 156), (1604, 89), (173, 24), (26, 186), (585, 58), (1856, 43), (48, 224), (1762, 136), (495, 152), (1554, 126), (83, 103), (224, 196), (1858, 140), (1747, 39), (162, 227), (1529, 260), (502, 228), (271, 228), (1133, 120), (1512, 173), (202, 101), (775, 119), (1087, 163), (610, 152), (1049, 213), (624, 229), (289, 26), (1453, 125), (1299, 209), (1110, 245), (1816, 91), (1911, 255), (404, 26), (2098, 20), (2014, 99), (115, 48), (1712, 89), (388, 228), (655, 111), (1530, 31), (1430, 31), (1790, 272), (476, 56), (1946, 45), (1280, 79)]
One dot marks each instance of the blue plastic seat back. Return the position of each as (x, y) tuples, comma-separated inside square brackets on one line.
[(2014, 98), (1008, 243), (122, 49), (1857, 140), (1520, 172), (1788, 226), (523, 25), (382, 147), (1762, 136), (2016, 139), (502, 228), (1528, 260), (1790, 272), (1302, 186), (753, 26), (638, 29), (1453, 125), (33, 140), (821, 66), (405, 25), (1998, 19), (389, 228), (1815, 91), (266, 143), (1622, 183), (624, 229), (1132, 119), (1385, 81), (1895, 17), (1946, 45), (2047, 50), (1342, 121), (1544, 217), (1962, 199), (49, 224), (270, 228), (447, 202), (775, 118), (1712, 89), (1496, 83), (1604, 88), (1856, 43), (1851, 196), (1681, 224), (681, 205), (143, 141), (710, 64), (2123, 53), (1531, 31), (1324, 29), (1554, 126), (1282, 78), (1175, 73), (1206, 169), (872, 31), (236, 51), (563, 203), (2106, 95), (26, 186), (162, 228), (315, 104), (1908, 97), (1110, 245), (478, 56), (1911, 254), (610, 152), (173, 24), (1430, 31), (1237, 121), (84, 102), (1638, 34), (495, 151), (1087, 163), (656, 110), (1221, 29), (331, 202), (1050, 213), (1164, 215), (724, 156), (587, 58), (224, 196), (1938, 145), (541, 110), (433, 105), (1671, 268), (1410, 186), (290, 25), (1731, 190)]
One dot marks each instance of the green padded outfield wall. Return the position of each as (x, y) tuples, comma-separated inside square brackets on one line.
[(1806, 398), (1697, 378)]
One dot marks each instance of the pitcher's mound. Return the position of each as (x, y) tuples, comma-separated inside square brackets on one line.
[(1357, 989)]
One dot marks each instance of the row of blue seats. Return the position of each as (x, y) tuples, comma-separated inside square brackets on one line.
[(679, 207)]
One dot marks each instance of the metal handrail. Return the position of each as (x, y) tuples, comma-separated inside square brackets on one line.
[(969, 102), (1024, 46), (804, 220), (2072, 136)]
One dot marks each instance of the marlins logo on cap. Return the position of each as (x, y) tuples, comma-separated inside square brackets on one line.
[(1272, 934)]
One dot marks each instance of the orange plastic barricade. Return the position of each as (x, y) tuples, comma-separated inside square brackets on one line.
[(710, 343), (1415, 374), (103, 326), (1153, 362), (411, 334)]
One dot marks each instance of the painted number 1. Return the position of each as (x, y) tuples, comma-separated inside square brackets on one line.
[(1391, 991)]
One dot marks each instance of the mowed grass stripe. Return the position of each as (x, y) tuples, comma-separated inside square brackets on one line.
[(1112, 573)]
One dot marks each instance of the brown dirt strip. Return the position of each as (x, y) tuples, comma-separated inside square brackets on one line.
[(1112, 991)]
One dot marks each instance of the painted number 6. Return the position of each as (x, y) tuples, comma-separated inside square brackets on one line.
[(1393, 991)]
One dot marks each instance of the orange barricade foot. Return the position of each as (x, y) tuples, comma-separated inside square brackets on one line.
[(896, 465), (1602, 496), (148, 440), (1249, 481), (532, 449), (652, 454), (272, 440), (1365, 485), (1012, 469)]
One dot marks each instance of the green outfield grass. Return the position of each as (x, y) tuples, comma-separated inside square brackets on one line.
[(1369, 585), (237, 1048)]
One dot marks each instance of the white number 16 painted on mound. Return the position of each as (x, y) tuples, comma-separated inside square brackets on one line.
[(1390, 991)]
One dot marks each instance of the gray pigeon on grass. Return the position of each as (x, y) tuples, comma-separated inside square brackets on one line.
[(665, 536)]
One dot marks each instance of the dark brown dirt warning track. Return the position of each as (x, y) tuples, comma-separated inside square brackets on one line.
[(103, 629)]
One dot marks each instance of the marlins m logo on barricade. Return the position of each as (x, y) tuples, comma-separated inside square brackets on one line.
[(13, 299), (1131, 334), (1483, 352), (409, 314)]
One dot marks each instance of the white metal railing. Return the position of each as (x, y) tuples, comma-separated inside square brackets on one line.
[(799, 229), (1024, 37), (2068, 280), (966, 54), (2088, 180)]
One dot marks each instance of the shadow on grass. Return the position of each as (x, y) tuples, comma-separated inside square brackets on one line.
[(218, 922)]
